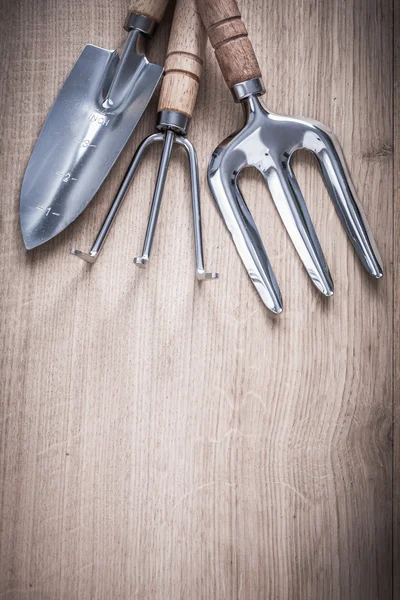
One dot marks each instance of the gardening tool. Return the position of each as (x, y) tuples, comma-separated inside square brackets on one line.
[(89, 124), (178, 95), (267, 142)]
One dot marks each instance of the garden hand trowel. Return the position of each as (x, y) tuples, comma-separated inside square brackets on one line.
[(92, 119)]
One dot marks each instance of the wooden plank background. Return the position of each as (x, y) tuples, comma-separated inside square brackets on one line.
[(164, 439)]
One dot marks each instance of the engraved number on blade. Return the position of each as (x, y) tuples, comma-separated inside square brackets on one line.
[(85, 143), (66, 177), (48, 211)]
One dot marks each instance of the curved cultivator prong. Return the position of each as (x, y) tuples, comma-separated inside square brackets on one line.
[(267, 142), (169, 138), (330, 158), (201, 273), (92, 256)]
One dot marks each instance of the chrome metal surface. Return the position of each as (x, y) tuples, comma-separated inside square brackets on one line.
[(251, 87), (140, 22), (195, 185), (92, 256), (168, 138), (89, 124), (142, 260), (169, 119), (267, 142)]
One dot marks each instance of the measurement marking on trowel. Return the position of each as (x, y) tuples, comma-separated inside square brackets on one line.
[(48, 211), (66, 177), (99, 119), (85, 143)]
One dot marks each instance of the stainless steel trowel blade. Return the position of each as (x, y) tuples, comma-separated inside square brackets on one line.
[(81, 139)]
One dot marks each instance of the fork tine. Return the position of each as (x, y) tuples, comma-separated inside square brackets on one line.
[(341, 189), (289, 201), (246, 238)]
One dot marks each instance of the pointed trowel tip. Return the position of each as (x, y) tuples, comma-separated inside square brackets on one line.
[(33, 232), (30, 240), (25, 223), (29, 245)]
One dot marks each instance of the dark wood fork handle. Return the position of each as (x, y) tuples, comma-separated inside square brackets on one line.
[(229, 38)]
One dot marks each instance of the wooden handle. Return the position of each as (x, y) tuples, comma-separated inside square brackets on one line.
[(154, 9), (229, 38), (184, 61)]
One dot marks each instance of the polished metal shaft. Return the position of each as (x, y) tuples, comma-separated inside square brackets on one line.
[(201, 273), (142, 261)]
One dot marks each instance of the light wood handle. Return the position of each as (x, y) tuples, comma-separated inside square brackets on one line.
[(184, 61), (229, 38), (150, 8)]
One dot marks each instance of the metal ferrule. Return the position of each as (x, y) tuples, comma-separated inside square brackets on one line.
[(245, 89), (141, 23), (170, 119)]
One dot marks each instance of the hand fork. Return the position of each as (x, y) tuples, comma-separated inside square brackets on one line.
[(267, 142), (175, 108)]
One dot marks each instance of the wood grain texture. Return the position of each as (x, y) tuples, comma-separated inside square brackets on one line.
[(161, 438), (396, 287), (229, 38), (154, 9), (184, 60)]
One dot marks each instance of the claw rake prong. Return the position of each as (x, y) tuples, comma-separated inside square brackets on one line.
[(170, 139), (143, 260), (201, 273)]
